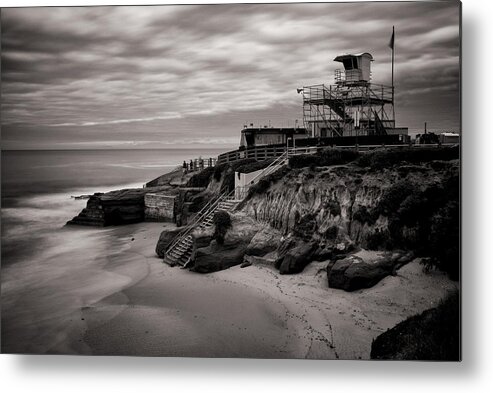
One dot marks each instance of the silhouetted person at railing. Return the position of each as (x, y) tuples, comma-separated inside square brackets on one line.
[(185, 166), (191, 166), (210, 161)]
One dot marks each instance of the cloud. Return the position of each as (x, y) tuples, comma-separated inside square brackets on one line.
[(120, 121), (211, 68)]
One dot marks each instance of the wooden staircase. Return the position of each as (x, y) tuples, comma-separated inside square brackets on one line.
[(180, 250)]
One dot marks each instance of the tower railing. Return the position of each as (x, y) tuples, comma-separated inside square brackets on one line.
[(332, 106)]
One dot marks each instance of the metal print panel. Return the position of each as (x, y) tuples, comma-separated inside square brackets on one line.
[(236, 180)]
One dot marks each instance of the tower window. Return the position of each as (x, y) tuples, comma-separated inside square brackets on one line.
[(348, 64)]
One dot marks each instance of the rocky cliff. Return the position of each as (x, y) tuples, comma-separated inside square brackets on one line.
[(325, 206), (127, 206), (350, 203), (114, 208)]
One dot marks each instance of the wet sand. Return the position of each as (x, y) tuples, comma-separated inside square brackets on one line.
[(127, 302)]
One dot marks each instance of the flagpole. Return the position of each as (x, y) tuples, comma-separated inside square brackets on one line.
[(393, 48)]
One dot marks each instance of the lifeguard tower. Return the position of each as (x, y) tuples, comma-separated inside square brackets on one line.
[(353, 105)]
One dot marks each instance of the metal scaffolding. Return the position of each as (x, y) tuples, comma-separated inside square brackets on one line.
[(348, 108)]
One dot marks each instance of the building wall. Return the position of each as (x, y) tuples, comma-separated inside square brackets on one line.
[(321, 131), (243, 181), (449, 138), (398, 131), (269, 136), (160, 207), (269, 139), (365, 68)]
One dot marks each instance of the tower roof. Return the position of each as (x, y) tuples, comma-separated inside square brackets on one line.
[(349, 56)]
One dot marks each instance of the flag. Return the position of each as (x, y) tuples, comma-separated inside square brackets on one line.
[(391, 43)]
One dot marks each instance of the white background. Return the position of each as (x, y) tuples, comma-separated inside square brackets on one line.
[(474, 373)]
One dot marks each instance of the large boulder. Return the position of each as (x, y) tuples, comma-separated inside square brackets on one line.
[(323, 253), (286, 244), (214, 256), (297, 258), (366, 275), (333, 250), (268, 259), (336, 271), (356, 272), (217, 257), (165, 239), (264, 242), (432, 335)]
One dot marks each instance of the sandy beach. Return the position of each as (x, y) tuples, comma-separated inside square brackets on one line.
[(130, 303)]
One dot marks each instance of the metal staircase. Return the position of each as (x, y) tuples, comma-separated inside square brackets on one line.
[(379, 127), (338, 106), (181, 248), (319, 102)]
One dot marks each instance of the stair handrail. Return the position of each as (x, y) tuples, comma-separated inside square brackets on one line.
[(200, 215), (205, 210), (282, 157), (183, 234), (204, 215), (218, 200), (212, 205)]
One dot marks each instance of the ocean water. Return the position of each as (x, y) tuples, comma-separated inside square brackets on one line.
[(42, 259), (53, 171), (37, 187)]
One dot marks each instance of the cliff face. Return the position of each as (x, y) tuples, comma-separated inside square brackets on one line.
[(323, 207), (115, 207), (344, 203)]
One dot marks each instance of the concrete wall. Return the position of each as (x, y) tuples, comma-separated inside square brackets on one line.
[(160, 207), (243, 180)]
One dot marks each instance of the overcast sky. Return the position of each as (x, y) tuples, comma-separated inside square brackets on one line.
[(156, 76)]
